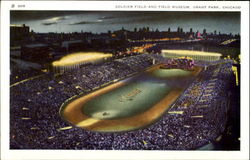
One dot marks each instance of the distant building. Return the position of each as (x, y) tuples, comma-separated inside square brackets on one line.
[(15, 51), (73, 45), (36, 52), (122, 34), (19, 32)]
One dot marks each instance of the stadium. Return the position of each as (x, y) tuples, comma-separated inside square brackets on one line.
[(130, 103)]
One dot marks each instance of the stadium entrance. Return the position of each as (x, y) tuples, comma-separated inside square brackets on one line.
[(130, 104)]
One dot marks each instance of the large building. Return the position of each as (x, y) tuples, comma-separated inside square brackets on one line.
[(18, 32), (72, 45), (36, 52)]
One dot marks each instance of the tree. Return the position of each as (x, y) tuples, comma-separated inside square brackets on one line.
[(169, 30), (135, 29), (191, 30)]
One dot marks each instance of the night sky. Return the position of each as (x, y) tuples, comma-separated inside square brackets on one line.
[(102, 21)]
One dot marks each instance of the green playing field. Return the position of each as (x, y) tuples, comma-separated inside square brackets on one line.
[(138, 95)]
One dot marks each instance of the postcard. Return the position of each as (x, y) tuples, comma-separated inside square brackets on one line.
[(124, 80)]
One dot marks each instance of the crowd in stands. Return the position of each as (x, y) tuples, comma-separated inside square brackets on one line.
[(35, 122), (180, 63)]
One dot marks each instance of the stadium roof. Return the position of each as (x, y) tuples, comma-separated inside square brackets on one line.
[(191, 53), (80, 57)]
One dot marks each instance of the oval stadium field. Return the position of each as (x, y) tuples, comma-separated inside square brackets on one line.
[(129, 104)]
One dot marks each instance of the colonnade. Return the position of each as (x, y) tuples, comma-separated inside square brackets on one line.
[(202, 57)]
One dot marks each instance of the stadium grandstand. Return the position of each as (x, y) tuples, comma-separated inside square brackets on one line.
[(197, 117)]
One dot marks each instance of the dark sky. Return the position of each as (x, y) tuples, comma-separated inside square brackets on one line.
[(102, 21)]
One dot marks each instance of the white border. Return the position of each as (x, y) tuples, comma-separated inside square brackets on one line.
[(112, 5)]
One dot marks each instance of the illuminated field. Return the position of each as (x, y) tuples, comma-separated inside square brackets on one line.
[(129, 104)]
